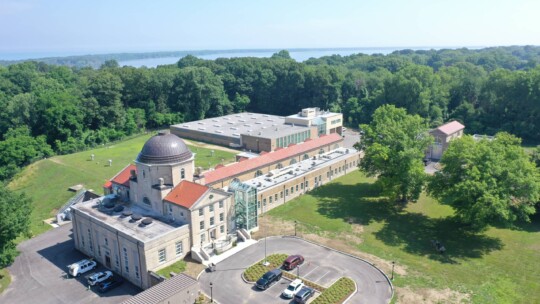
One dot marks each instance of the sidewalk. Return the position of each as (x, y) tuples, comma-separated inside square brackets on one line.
[(239, 247)]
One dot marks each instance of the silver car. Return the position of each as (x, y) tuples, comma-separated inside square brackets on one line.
[(99, 277)]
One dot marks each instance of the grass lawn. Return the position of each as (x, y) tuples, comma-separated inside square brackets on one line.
[(5, 279), (497, 266), (47, 181), (177, 267)]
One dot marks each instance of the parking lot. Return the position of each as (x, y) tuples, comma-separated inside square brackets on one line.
[(39, 274), (322, 266)]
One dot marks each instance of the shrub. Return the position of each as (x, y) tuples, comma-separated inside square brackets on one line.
[(337, 293), (255, 271)]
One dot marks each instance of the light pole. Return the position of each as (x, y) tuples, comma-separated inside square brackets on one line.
[(295, 222), (393, 263), (211, 294)]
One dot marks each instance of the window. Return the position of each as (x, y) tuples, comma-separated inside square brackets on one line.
[(281, 194), (182, 173), (292, 190), (106, 242), (146, 200), (320, 178), (221, 204), (270, 199), (117, 261), (279, 166), (327, 174), (264, 202), (99, 250), (221, 217), (258, 173), (162, 255), (258, 204), (201, 225), (201, 212), (179, 248), (82, 240), (222, 229), (137, 271), (296, 188), (212, 221), (143, 174), (307, 184), (211, 208), (286, 192), (203, 238), (302, 186), (275, 197), (126, 261), (170, 208), (90, 240)]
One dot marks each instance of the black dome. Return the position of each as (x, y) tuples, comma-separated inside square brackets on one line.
[(164, 149)]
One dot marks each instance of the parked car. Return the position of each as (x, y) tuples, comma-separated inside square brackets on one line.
[(292, 289), (292, 261), (303, 295), (268, 278), (82, 266), (109, 284), (99, 277)]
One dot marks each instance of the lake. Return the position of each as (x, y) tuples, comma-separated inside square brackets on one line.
[(298, 55)]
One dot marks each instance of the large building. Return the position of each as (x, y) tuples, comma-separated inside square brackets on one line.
[(156, 211), (261, 132)]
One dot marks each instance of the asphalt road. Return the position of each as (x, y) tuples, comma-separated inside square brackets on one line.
[(322, 265), (38, 274)]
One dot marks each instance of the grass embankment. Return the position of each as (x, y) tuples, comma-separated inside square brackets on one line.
[(177, 267), (497, 266), (46, 181), (255, 271), (337, 293), (5, 279)]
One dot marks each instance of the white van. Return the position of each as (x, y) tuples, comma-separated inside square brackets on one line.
[(82, 266)]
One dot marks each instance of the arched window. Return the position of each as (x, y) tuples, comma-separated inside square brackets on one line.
[(293, 161), (279, 166), (182, 173), (321, 151), (306, 156), (258, 173), (146, 200)]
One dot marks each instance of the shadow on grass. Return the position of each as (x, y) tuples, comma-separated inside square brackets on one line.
[(413, 232)]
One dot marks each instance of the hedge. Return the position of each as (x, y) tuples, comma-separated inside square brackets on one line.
[(337, 293)]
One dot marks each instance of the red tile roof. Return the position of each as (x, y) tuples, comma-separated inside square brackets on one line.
[(122, 178), (451, 127), (186, 194), (107, 184), (219, 166), (272, 157)]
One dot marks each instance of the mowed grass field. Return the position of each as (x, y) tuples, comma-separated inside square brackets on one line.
[(47, 181), (497, 266)]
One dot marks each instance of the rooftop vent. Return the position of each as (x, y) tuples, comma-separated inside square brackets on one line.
[(135, 217), (118, 208), (127, 213), (147, 221)]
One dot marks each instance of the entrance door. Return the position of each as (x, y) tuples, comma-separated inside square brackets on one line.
[(108, 261), (213, 234)]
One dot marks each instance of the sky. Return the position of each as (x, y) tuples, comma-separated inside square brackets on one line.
[(63, 27)]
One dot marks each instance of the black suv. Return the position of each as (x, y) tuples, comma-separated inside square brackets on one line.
[(303, 295), (109, 284), (268, 278)]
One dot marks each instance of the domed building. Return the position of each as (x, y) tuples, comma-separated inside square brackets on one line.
[(159, 216)]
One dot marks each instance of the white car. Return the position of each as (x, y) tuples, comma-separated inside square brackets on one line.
[(80, 267), (99, 277), (292, 289)]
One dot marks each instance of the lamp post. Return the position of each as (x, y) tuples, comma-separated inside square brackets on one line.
[(211, 294), (393, 263), (295, 222)]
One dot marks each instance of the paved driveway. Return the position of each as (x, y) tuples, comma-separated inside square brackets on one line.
[(322, 265), (38, 274)]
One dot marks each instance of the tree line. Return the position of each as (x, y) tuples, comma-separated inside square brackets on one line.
[(50, 109)]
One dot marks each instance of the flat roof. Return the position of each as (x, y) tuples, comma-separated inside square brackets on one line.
[(234, 125), (319, 114), (278, 176), (163, 291), (124, 224), (269, 158)]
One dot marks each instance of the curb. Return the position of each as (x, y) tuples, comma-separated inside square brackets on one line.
[(344, 253), (355, 292)]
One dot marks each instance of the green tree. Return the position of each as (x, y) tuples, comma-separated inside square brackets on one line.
[(487, 181), (394, 144), (15, 220)]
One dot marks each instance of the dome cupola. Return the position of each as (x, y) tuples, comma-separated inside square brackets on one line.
[(164, 148)]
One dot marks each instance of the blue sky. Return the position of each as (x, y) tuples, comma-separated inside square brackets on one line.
[(78, 26)]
